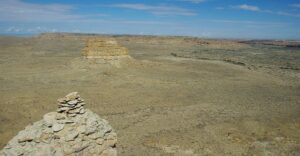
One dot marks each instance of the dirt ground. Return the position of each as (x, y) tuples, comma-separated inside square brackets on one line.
[(177, 96)]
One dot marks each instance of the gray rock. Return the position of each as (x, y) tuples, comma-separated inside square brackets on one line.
[(90, 130), (71, 135), (100, 141), (70, 131), (81, 128), (49, 118), (60, 116), (96, 135), (62, 109), (63, 105), (28, 135), (82, 111), (71, 115), (78, 105), (73, 102), (73, 111), (44, 151), (67, 121), (57, 127), (80, 99), (80, 146), (105, 128), (109, 152), (91, 127), (12, 152)]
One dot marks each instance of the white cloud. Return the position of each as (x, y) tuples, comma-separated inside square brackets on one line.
[(37, 29), (131, 22), (17, 10), (194, 1), (277, 24), (157, 9), (295, 5), (287, 14), (248, 7), (257, 9), (13, 29)]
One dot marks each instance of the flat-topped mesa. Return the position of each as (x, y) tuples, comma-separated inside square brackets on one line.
[(71, 130), (104, 48)]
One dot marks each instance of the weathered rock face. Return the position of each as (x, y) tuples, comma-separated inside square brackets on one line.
[(72, 130), (105, 48)]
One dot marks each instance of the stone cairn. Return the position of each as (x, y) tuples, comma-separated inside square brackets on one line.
[(71, 105), (72, 130)]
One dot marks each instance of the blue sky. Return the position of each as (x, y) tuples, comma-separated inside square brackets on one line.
[(259, 19)]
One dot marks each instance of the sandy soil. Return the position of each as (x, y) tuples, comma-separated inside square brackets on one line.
[(170, 99)]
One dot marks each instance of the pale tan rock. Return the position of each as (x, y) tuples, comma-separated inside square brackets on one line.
[(71, 115), (109, 152), (72, 102), (81, 128), (84, 134), (49, 118), (100, 141), (58, 127), (73, 111), (82, 111), (80, 146), (72, 96), (59, 116), (71, 135)]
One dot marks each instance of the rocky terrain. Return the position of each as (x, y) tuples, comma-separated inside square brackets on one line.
[(72, 130), (177, 96)]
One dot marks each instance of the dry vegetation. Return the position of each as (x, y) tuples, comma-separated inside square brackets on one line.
[(179, 95)]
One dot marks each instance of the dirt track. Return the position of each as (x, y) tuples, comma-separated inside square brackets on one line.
[(159, 104)]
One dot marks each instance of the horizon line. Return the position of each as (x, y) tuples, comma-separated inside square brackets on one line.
[(136, 34)]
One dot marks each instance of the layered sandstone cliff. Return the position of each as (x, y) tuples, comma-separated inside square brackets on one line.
[(104, 48)]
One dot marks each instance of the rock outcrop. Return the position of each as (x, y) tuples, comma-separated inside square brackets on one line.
[(104, 48), (72, 130)]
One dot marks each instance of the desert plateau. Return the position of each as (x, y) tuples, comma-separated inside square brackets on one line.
[(166, 95)]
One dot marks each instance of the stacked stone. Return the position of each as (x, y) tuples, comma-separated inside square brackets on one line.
[(71, 130), (71, 104)]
